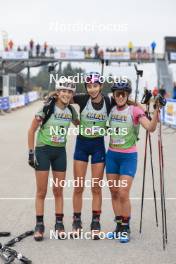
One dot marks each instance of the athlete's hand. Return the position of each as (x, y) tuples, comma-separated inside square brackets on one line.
[(159, 102), (31, 159), (53, 94)]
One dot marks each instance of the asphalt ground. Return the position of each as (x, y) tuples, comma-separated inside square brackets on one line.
[(17, 193)]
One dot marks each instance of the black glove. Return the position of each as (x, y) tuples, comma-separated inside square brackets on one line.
[(31, 159), (159, 102)]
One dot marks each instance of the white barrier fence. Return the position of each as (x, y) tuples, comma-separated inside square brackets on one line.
[(168, 113)]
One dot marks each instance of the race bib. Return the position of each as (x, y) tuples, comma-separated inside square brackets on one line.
[(96, 129), (118, 141), (92, 130), (57, 139)]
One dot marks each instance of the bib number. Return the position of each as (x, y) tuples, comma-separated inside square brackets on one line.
[(118, 141), (57, 139)]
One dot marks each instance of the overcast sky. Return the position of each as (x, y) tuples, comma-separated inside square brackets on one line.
[(78, 22), (142, 21)]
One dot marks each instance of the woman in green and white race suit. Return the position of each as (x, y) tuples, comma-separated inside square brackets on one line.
[(50, 150)]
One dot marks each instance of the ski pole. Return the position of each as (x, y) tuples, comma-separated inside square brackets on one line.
[(102, 67), (153, 181), (139, 73), (143, 184), (19, 238), (162, 189), (151, 163), (162, 159), (4, 234), (162, 194)]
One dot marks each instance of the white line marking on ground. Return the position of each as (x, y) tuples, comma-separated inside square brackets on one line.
[(70, 198)]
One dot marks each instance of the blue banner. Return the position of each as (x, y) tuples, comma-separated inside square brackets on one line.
[(26, 99), (4, 103)]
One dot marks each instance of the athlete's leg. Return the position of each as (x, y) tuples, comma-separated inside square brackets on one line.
[(97, 176), (42, 172), (114, 183), (41, 184), (113, 177), (80, 168), (125, 208), (128, 167), (97, 169), (59, 164), (81, 156), (124, 192), (58, 178)]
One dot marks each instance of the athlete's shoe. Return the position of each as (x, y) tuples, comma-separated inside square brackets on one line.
[(124, 234), (95, 228), (76, 227), (39, 231), (59, 227), (116, 233)]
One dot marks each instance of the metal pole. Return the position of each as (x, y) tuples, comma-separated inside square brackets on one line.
[(28, 78)]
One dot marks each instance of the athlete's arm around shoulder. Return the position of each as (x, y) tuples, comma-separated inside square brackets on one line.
[(80, 99), (75, 119)]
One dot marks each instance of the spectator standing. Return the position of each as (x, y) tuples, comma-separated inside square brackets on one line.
[(153, 46), (162, 91), (96, 48), (10, 44), (31, 45), (45, 48), (51, 51), (130, 46), (38, 50)]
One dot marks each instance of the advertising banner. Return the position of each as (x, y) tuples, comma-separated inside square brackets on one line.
[(15, 55), (69, 54), (170, 112)]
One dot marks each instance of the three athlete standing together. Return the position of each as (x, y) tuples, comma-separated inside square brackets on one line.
[(96, 112)]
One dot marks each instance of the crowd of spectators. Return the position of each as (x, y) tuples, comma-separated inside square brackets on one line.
[(96, 52), (35, 50)]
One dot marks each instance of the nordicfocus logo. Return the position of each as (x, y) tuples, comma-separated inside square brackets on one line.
[(80, 78), (92, 131), (62, 26), (81, 182), (86, 235)]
